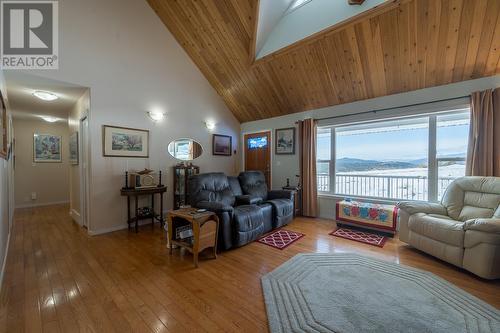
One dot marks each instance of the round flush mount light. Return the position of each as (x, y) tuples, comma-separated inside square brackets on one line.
[(50, 119), (210, 125), (45, 95), (156, 116)]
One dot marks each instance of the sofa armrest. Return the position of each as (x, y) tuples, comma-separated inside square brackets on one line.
[(280, 194), (247, 200), (413, 207), (485, 225), (214, 206)]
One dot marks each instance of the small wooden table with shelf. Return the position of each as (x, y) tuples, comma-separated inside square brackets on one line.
[(136, 193), (205, 227)]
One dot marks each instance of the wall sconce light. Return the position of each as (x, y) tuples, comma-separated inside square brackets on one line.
[(210, 125), (155, 116)]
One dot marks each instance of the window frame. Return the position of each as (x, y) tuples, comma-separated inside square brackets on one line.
[(433, 159)]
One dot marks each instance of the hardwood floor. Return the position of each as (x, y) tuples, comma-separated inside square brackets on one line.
[(58, 279)]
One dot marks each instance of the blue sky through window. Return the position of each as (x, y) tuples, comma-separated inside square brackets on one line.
[(397, 145)]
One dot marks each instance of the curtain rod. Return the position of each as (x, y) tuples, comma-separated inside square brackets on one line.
[(387, 109)]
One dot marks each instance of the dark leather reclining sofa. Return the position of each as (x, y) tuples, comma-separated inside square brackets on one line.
[(245, 207)]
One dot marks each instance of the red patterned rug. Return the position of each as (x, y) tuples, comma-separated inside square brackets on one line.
[(280, 238), (360, 236)]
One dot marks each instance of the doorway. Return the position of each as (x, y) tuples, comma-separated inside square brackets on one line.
[(258, 153)]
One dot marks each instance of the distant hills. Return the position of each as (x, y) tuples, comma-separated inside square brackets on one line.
[(348, 164), (353, 164)]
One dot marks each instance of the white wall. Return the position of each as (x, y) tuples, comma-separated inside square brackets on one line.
[(126, 56), (287, 166), (50, 181), (6, 191)]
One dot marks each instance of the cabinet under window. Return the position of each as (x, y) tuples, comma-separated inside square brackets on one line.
[(399, 159)]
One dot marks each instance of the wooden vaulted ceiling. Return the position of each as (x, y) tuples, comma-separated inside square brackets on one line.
[(401, 46)]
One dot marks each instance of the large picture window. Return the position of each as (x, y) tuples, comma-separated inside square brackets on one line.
[(398, 159)]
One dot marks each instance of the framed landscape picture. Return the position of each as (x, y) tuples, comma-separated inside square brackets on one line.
[(47, 148), (73, 148), (125, 142), (285, 141), (222, 145)]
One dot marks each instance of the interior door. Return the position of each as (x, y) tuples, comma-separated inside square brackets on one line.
[(258, 153)]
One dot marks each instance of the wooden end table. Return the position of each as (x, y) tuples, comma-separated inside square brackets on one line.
[(205, 227)]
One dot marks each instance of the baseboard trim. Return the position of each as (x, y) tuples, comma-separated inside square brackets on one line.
[(42, 204), (116, 228), (5, 260), (75, 216)]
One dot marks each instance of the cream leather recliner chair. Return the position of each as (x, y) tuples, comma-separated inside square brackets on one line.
[(464, 229)]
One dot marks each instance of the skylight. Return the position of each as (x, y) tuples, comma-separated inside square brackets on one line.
[(284, 22), (296, 4)]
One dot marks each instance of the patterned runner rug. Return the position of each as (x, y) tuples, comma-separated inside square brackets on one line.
[(360, 236), (280, 238)]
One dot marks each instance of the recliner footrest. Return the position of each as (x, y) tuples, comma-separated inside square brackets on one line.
[(283, 211), (248, 224)]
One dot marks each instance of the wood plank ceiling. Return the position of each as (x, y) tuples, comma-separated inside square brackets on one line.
[(402, 46)]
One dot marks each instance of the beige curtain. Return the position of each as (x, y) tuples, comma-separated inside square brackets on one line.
[(307, 137), (483, 153)]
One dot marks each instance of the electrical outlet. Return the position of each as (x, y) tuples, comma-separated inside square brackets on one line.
[(33, 195)]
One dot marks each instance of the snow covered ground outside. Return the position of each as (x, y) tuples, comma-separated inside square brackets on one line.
[(408, 184)]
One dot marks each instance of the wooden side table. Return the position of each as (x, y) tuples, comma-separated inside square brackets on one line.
[(205, 227), (136, 193)]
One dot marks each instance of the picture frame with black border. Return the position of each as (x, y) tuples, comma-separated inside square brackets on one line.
[(222, 145), (285, 141)]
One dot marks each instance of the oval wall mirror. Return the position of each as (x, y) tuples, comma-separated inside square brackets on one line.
[(185, 149)]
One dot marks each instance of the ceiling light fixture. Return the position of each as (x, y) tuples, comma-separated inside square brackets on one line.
[(45, 95), (155, 116), (210, 125), (50, 119)]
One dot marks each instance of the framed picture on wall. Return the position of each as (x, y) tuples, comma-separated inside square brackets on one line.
[(222, 145), (125, 142), (285, 141), (3, 127), (47, 148), (73, 148)]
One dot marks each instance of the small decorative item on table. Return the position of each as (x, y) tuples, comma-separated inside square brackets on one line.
[(204, 226), (370, 215)]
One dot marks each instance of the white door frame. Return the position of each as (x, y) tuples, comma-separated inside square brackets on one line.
[(84, 168)]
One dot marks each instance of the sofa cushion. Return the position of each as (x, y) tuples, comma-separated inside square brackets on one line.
[(254, 184), (210, 187), (234, 184), (475, 237), (472, 197), (248, 217), (282, 207), (267, 212), (438, 227), (248, 224)]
